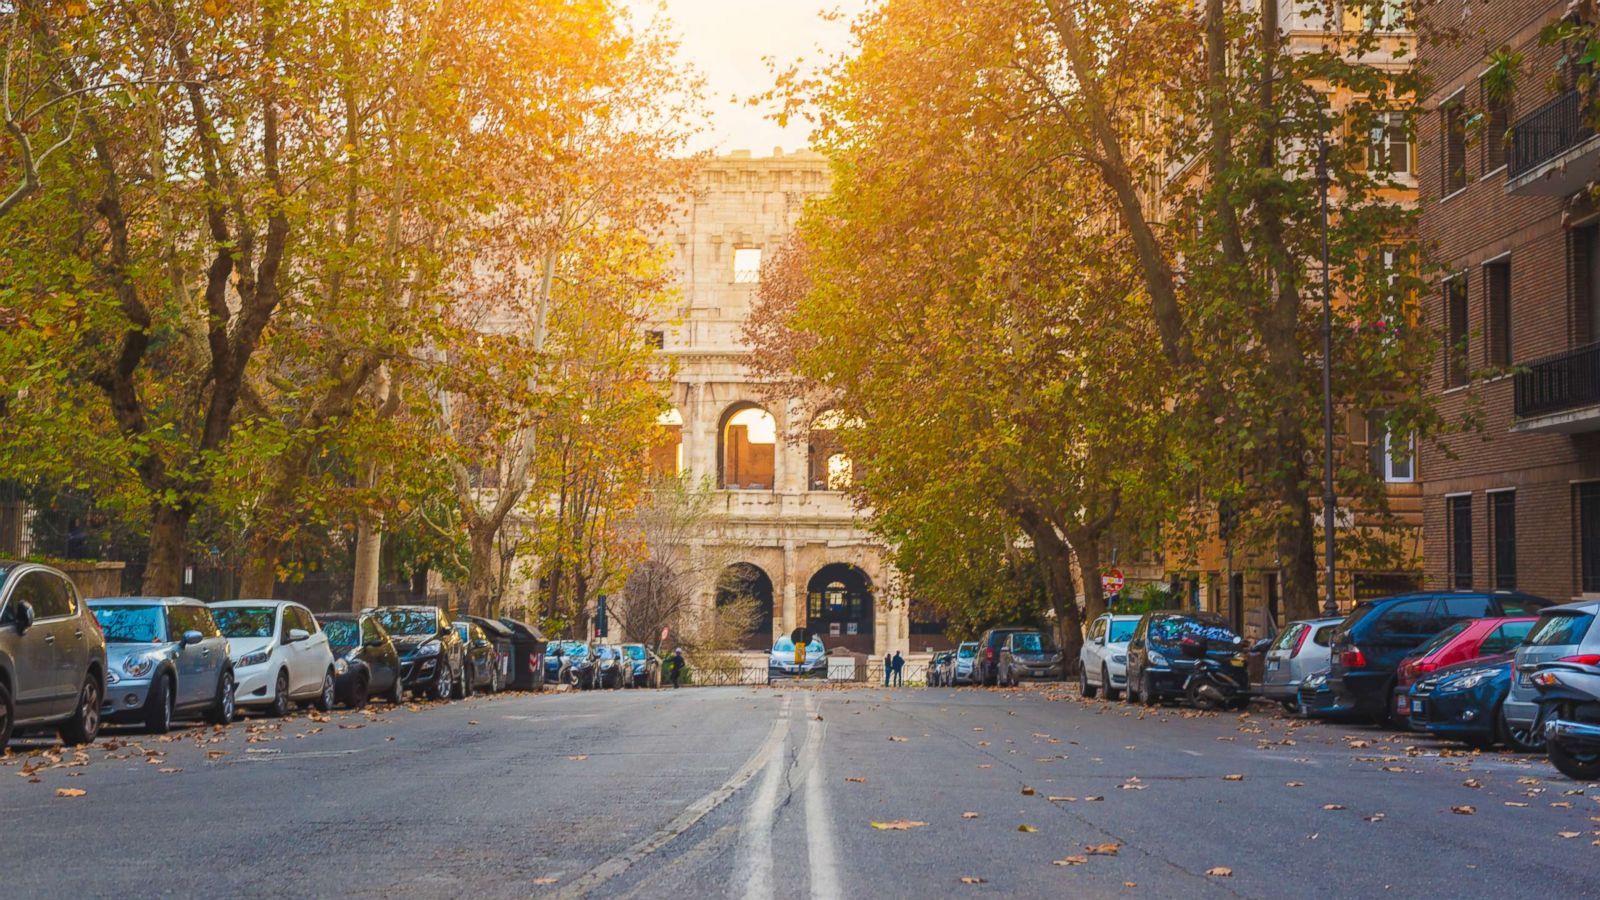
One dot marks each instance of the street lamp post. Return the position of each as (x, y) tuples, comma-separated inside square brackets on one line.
[(1330, 500)]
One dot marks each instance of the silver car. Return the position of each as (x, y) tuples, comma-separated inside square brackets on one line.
[(52, 656), (1302, 649), (963, 668), (1560, 631), (165, 656)]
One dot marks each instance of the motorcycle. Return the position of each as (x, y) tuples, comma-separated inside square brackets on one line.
[(1569, 711), (1212, 684)]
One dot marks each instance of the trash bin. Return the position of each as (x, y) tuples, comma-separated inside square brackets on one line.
[(502, 637), (527, 655)]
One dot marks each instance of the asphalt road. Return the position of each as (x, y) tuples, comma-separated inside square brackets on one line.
[(774, 792)]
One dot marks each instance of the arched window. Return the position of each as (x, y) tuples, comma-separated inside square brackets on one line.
[(666, 456), (749, 441), (829, 468), (839, 606), (746, 583)]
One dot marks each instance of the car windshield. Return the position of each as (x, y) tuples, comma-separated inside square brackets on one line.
[(784, 645), (1323, 637), (3, 572), (967, 651), (1557, 628), (244, 621), (577, 649), (1440, 639), (463, 631), (635, 652), (1289, 636), (132, 624), (1518, 606), (341, 632), (1029, 642), (408, 621), (1170, 629), (1121, 632)]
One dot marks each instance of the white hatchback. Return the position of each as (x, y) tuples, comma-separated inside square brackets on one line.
[(1102, 663), (280, 654)]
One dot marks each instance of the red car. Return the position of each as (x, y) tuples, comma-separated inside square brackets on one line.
[(1460, 642)]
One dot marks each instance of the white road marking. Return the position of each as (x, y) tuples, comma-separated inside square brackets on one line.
[(685, 820), (1191, 752), (821, 846), (755, 837)]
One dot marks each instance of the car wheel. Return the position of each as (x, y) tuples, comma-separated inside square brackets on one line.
[(325, 698), (1084, 687), (280, 696), (1527, 739), (463, 688), (444, 684), (1579, 766), (85, 721), (397, 691), (1147, 690), (1105, 683), (158, 707), (221, 711), (498, 682), (8, 714), (359, 693)]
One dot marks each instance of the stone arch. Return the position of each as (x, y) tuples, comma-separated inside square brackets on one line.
[(666, 454), (828, 467), (743, 580), (840, 606), (747, 446)]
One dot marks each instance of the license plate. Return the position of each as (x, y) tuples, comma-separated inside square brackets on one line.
[(1272, 665), (1400, 705), (1524, 679), (1416, 707), (1305, 710)]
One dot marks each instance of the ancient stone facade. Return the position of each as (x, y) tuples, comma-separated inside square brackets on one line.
[(793, 542)]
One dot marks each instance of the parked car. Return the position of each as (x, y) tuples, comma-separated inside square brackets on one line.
[(989, 644), (1157, 666), (936, 667), (786, 660), (613, 668), (528, 652), (503, 639), (1314, 698), (1032, 656), (1561, 631), (1465, 702), (52, 655), (1377, 634), (646, 665), (1458, 643), (964, 665), (165, 657), (280, 655), (1103, 661), (555, 653), (371, 662), (1300, 649), (577, 664), (432, 655), (481, 665)]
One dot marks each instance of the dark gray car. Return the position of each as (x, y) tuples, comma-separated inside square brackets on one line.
[(165, 657), (1029, 655), (52, 655)]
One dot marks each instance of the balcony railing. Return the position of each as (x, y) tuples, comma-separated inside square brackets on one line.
[(1547, 132), (1558, 383)]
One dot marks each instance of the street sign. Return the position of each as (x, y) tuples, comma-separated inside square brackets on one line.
[(1111, 582), (600, 617)]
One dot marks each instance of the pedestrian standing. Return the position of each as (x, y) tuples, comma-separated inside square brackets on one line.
[(888, 668), (677, 666), (899, 664)]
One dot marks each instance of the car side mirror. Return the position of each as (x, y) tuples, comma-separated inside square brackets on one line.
[(374, 642), (192, 637), (1260, 646), (24, 618), (299, 634), (1100, 641)]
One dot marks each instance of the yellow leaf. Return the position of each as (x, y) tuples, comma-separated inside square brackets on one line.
[(70, 792), (898, 825), (1220, 871), (1464, 810), (1027, 829)]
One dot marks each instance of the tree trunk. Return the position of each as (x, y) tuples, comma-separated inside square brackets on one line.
[(480, 570), (1055, 564), (1094, 595), (369, 549), (169, 535), (1296, 540)]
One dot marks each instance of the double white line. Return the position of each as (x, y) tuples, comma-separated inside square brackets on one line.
[(755, 837)]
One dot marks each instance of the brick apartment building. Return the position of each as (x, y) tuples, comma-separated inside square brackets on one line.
[(1514, 502)]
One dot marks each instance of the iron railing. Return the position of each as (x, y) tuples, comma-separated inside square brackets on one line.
[(1558, 383), (1547, 132)]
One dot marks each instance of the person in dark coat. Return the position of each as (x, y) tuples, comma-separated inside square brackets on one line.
[(888, 668), (678, 665), (899, 664)]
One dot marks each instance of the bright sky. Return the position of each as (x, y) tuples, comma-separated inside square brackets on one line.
[(726, 41)]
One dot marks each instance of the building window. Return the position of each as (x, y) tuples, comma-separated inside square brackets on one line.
[(1583, 269), (1497, 284), (1503, 535), (749, 446), (1453, 146), (1389, 145), (1388, 15), (1496, 122), (1393, 456), (1455, 350), (746, 265), (1589, 535), (1458, 515)]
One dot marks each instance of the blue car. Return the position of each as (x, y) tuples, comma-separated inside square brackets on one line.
[(553, 654), (1314, 698), (1465, 702)]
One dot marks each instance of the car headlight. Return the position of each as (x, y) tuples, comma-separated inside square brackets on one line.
[(138, 666), (1157, 659), (1315, 681), (1120, 658), (1467, 681), (340, 666), (431, 648), (253, 659)]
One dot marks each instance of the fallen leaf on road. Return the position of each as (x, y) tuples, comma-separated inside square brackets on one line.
[(856, 780), (1472, 783), (1375, 817), (1220, 872), (1332, 806), (472, 721), (1054, 799), (70, 792), (1233, 778), (1027, 792), (1464, 810), (898, 825), (985, 765), (1515, 803), (1569, 834), (1027, 829), (1294, 784), (579, 758), (544, 881), (1094, 799), (169, 771), (971, 879), (1071, 861), (899, 740), (1108, 849), (1130, 884), (969, 815)]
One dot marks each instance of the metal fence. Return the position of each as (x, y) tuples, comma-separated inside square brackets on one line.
[(1547, 132), (750, 674), (1560, 382)]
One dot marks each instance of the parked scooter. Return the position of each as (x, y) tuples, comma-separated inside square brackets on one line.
[(1212, 684), (1569, 707)]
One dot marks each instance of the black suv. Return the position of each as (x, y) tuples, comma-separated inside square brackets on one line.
[(372, 664), (1157, 667), (987, 668), (432, 656), (1369, 644)]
